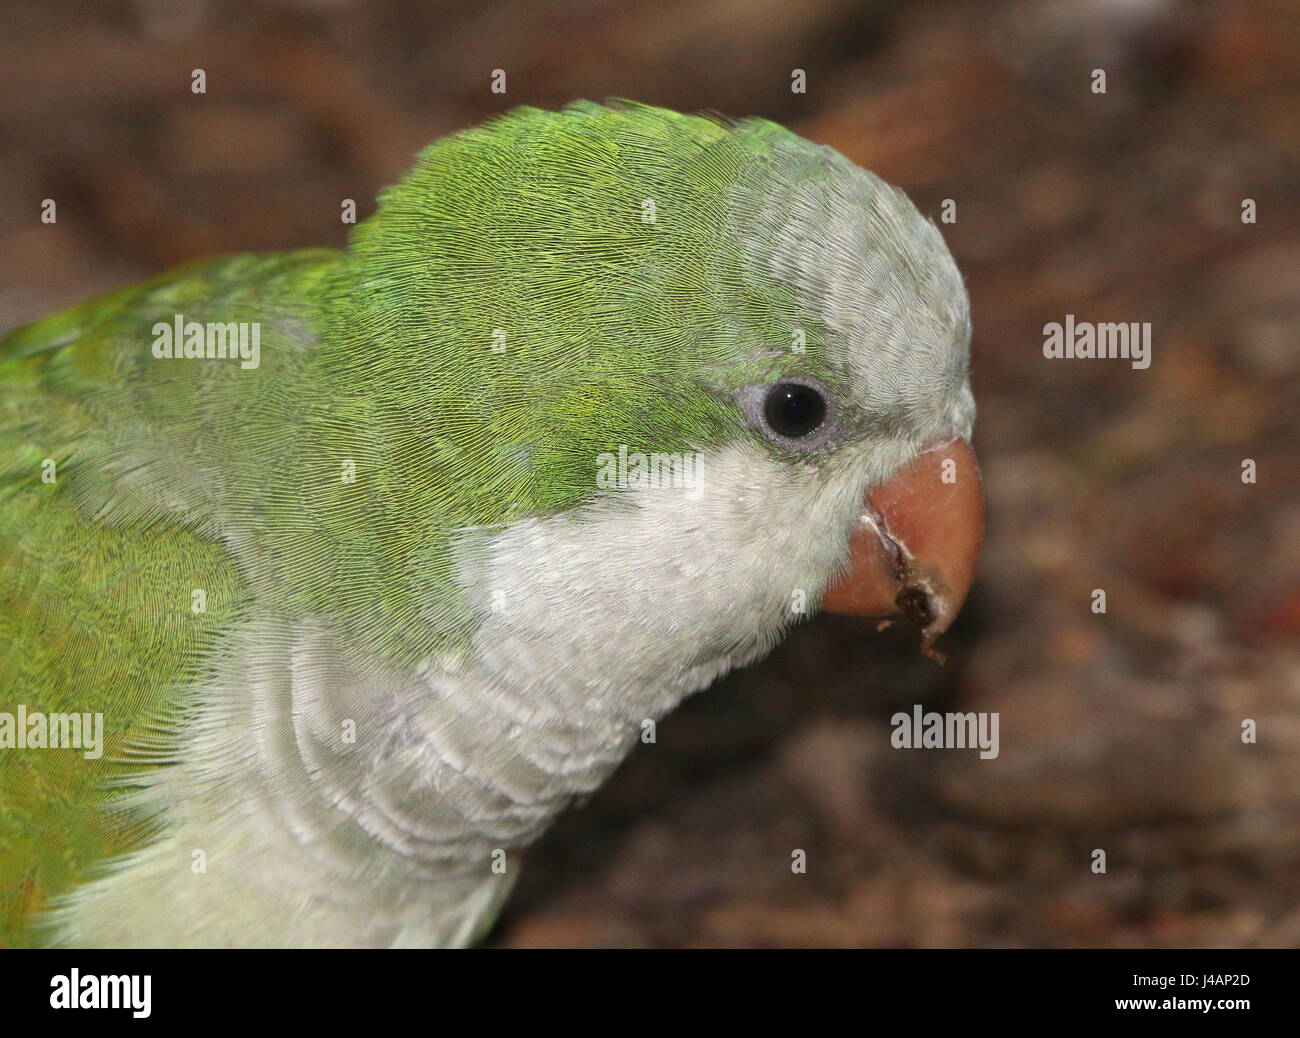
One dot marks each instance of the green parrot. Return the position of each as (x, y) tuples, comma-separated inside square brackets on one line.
[(329, 578)]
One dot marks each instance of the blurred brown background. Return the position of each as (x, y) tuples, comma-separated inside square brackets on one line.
[(1119, 731)]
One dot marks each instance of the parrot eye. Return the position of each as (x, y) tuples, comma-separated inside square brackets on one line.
[(794, 410)]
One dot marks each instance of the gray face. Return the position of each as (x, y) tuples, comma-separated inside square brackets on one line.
[(880, 280), (752, 552)]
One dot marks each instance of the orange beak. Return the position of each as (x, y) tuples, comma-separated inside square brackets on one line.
[(915, 546)]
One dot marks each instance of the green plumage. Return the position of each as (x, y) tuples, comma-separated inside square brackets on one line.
[(510, 313), (98, 567)]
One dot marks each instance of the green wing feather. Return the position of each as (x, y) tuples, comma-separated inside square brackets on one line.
[(98, 568)]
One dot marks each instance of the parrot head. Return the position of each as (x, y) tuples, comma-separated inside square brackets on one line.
[(702, 377)]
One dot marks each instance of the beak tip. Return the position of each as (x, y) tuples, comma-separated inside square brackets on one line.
[(915, 549)]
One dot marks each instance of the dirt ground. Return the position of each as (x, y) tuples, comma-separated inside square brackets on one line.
[(1120, 731)]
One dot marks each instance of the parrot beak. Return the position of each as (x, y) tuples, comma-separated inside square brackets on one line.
[(915, 545)]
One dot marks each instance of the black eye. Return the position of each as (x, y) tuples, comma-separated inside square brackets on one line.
[(793, 409)]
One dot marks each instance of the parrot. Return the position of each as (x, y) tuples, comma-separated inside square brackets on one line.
[(330, 577)]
